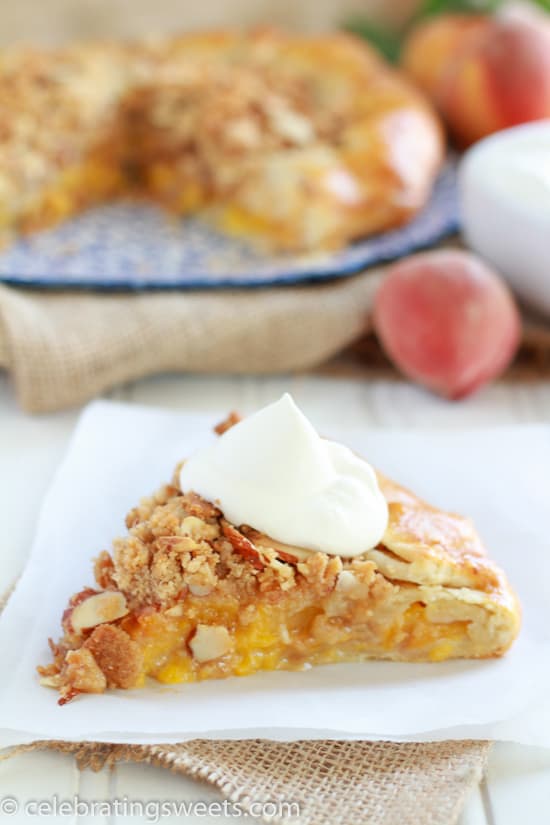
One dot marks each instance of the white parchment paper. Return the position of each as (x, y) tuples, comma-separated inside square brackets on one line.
[(500, 477)]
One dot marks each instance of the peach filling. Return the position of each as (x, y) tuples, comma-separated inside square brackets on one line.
[(175, 647)]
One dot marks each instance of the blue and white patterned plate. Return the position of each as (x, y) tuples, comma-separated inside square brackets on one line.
[(135, 246)]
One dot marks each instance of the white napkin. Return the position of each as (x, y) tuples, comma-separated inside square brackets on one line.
[(499, 477)]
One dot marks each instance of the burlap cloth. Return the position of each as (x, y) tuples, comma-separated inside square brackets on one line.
[(332, 783), (63, 348)]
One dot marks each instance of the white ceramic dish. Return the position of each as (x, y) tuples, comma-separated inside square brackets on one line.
[(504, 186)]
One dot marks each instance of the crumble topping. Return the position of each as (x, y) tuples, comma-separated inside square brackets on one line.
[(178, 542)]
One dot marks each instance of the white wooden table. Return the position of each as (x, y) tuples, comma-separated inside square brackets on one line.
[(517, 789)]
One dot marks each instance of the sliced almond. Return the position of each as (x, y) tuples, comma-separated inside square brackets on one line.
[(197, 529), (286, 552), (210, 642), (200, 589), (346, 582), (177, 610), (289, 124), (82, 673), (51, 681), (243, 546), (106, 606)]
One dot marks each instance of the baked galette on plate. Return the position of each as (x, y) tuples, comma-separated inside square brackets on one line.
[(301, 143), (195, 591)]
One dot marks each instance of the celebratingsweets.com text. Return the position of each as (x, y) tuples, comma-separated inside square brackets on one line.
[(153, 810)]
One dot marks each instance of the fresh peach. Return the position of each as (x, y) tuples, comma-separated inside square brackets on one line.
[(447, 321), (435, 43), (501, 80)]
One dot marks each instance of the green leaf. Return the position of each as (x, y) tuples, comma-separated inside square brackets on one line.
[(430, 8), (385, 40)]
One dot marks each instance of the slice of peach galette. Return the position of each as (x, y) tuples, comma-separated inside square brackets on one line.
[(275, 549)]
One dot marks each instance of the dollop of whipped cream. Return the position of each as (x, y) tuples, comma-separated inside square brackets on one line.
[(273, 472)]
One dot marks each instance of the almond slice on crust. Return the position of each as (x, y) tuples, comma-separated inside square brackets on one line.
[(99, 608), (243, 546), (210, 642), (285, 552)]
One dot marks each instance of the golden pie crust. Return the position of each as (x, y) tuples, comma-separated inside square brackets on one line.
[(298, 142), (186, 596)]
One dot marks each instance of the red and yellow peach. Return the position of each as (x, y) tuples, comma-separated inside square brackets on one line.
[(447, 321)]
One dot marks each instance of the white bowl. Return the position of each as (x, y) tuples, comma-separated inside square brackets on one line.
[(504, 184)]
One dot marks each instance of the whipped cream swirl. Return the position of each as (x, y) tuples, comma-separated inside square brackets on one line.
[(273, 472)]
